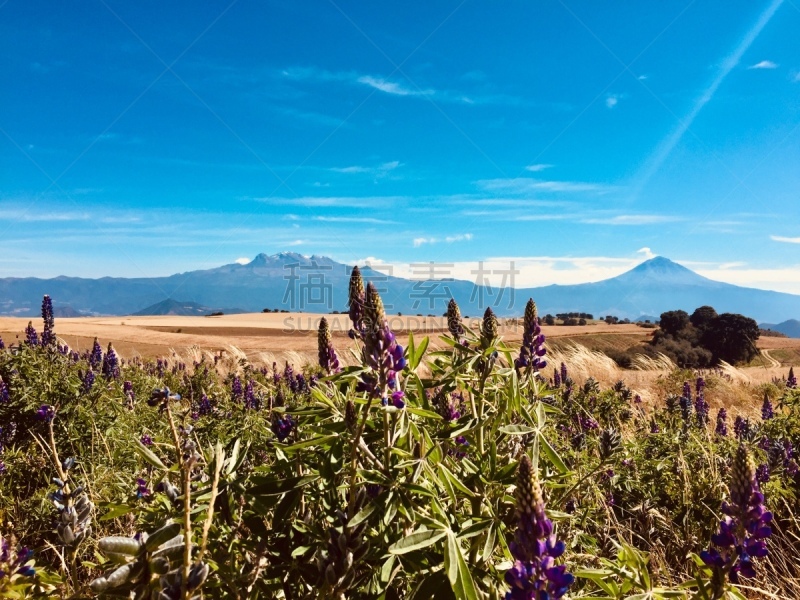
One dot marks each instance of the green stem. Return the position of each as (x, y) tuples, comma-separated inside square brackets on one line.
[(354, 458), (187, 506)]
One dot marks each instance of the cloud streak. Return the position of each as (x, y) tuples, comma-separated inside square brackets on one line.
[(668, 144)]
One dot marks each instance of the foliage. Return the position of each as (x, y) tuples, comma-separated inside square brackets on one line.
[(461, 472)]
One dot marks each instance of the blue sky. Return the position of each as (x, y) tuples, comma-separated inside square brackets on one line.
[(575, 138)]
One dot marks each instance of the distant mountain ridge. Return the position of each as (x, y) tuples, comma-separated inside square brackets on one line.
[(183, 309), (291, 281), (790, 328)]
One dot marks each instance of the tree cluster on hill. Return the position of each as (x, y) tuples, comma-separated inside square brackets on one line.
[(704, 338)]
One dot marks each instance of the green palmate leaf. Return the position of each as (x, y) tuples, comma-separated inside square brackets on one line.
[(454, 481), (457, 571), (149, 456), (417, 541)]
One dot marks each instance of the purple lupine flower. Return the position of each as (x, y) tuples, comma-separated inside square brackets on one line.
[(741, 428), (87, 381), (282, 426), (489, 328), (564, 373), (96, 355), (451, 406), (744, 530), (356, 301), (588, 422), (686, 402), (534, 575), (791, 380), (532, 351), (45, 413), (142, 491), (48, 335), (4, 393), (250, 399), (204, 407), (654, 428), (146, 440), (14, 562), (328, 359), (556, 378), (110, 363), (31, 337), (2, 344), (701, 409), (699, 385), (127, 389), (722, 423), (382, 353), (767, 411), (762, 473), (454, 323), (237, 393)]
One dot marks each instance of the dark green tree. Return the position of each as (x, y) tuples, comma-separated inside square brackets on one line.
[(732, 337)]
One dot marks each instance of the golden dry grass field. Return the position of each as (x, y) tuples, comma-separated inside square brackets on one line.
[(267, 337)]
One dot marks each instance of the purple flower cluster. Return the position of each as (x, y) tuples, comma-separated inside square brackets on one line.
[(534, 575), (87, 381), (48, 335), (110, 364), (556, 378), (204, 407), (237, 392), (127, 389), (741, 428), (142, 491), (14, 562), (743, 531), (251, 401), (328, 359), (532, 351), (31, 337), (2, 344), (4, 393), (282, 426), (146, 440), (791, 380), (722, 423), (767, 412), (45, 413), (96, 355), (382, 354), (564, 373)]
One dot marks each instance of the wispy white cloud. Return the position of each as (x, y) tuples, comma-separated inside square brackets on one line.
[(450, 239), (612, 100), (631, 220), (367, 220), (538, 167), (764, 64), (296, 243), (522, 185), (378, 171), (646, 252), (243, 261), (785, 240), (392, 87)]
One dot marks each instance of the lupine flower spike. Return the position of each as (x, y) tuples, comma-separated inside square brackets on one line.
[(328, 359), (454, 323), (767, 412), (382, 352), (356, 302), (488, 328), (48, 335), (534, 575), (532, 351), (744, 530), (791, 380), (722, 423)]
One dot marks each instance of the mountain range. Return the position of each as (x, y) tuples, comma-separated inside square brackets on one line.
[(319, 284), (789, 328)]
